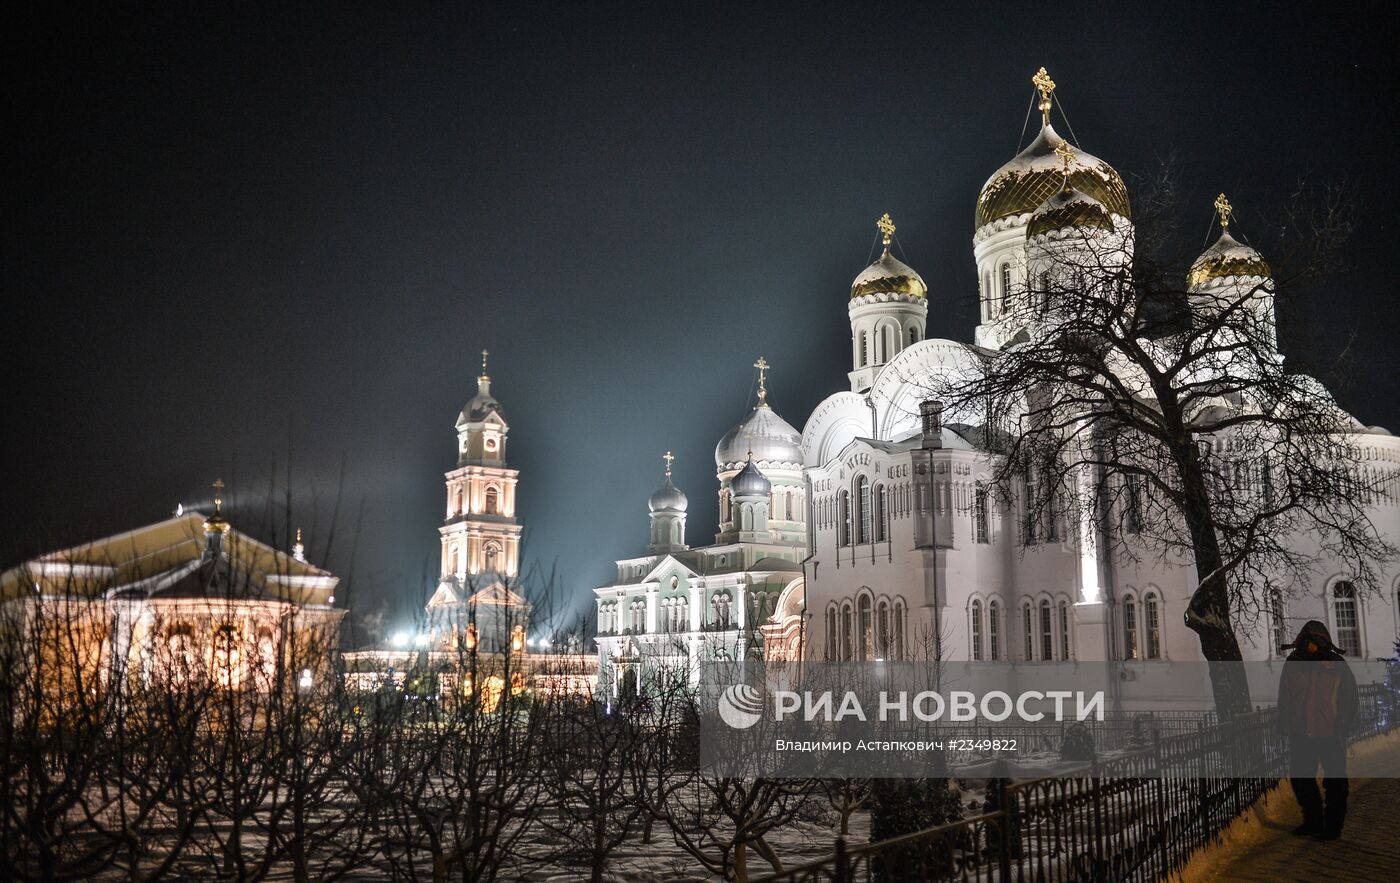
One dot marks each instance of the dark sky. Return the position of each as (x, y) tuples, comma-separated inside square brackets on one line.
[(237, 226)]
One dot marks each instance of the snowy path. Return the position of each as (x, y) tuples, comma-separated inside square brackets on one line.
[(1260, 847)]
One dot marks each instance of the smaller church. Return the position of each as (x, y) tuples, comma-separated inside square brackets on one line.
[(677, 606)]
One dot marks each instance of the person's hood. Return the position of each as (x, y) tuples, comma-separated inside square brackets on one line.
[(1319, 634)]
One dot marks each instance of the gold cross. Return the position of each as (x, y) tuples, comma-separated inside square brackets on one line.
[(1045, 86), (1224, 210), (886, 226), (763, 366), (668, 458), (218, 495), (484, 354), (1066, 155)]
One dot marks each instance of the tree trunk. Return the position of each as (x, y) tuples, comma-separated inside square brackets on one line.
[(1208, 612)]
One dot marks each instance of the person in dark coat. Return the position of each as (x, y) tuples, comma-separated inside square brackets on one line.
[(1316, 711)]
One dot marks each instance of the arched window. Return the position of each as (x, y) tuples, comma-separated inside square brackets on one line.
[(866, 626), (1047, 638), (913, 334), (1130, 630), (458, 508), (456, 560), (882, 630), (1152, 615), (830, 633), (1346, 620), (979, 514), (846, 636), (879, 512), (1279, 624), (1064, 630), (864, 348), (843, 518), (993, 630), (987, 297), (1005, 285), (1028, 631), (493, 501), (862, 514), (898, 629), (887, 343), (976, 614)]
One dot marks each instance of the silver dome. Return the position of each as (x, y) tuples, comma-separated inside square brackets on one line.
[(668, 496), (768, 436), (750, 482), (481, 404)]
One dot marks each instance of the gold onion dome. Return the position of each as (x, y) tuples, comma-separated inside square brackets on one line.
[(888, 275), (216, 523), (1035, 175), (1048, 165), (1228, 256), (1069, 209)]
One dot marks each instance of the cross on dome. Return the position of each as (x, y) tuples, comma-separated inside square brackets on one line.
[(218, 495), (484, 354), (668, 458), (763, 366), (1066, 155), (887, 228), (1224, 210), (1046, 87)]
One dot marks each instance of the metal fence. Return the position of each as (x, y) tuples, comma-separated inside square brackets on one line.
[(1135, 817)]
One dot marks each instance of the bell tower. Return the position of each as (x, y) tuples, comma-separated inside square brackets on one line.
[(480, 534)]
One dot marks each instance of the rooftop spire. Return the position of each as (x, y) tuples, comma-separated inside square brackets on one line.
[(1224, 210), (668, 458), (298, 549), (763, 366), (484, 375), (886, 227), (1046, 87), (216, 525)]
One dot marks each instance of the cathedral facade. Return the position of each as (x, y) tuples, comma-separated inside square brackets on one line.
[(899, 550)]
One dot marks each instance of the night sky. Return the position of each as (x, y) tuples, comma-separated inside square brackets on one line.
[(245, 236)]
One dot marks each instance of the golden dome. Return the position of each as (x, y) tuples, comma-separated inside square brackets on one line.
[(1069, 209), (1227, 257), (1035, 174), (889, 275)]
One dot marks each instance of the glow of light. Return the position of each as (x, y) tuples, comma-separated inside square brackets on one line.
[(305, 680), (400, 639), (179, 509), (421, 640)]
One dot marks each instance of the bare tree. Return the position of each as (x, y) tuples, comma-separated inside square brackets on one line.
[(1151, 409)]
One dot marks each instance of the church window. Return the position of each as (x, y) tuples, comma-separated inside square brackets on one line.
[(1005, 292), (899, 630), (1346, 620), (1028, 631), (1152, 614), (460, 507), (864, 348), (880, 513), (1047, 641), (1280, 625), (1132, 515), (987, 297), (979, 514), (976, 614), (882, 630), (993, 630), (843, 518), (830, 633), (887, 343), (469, 642), (865, 635), (862, 514), (1064, 630), (493, 499), (913, 334), (1130, 632), (846, 636)]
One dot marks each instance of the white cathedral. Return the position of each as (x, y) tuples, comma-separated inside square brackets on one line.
[(866, 536)]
